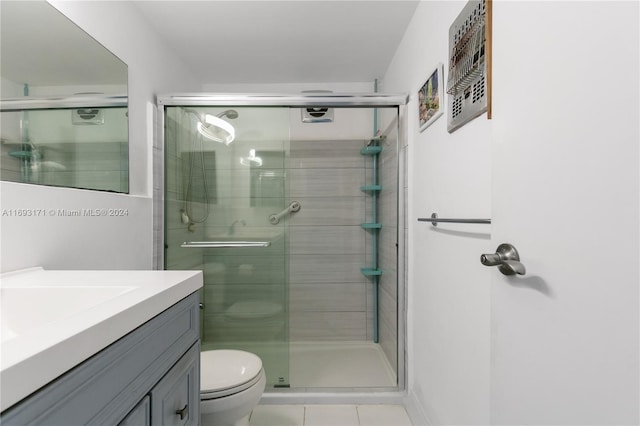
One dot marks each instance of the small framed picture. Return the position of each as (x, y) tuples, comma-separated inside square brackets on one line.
[(430, 97)]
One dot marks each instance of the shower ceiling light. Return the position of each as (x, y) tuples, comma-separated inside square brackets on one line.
[(216, 129)]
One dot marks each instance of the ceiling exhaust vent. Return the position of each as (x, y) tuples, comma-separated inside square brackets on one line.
[(87, 116), (317, 114)]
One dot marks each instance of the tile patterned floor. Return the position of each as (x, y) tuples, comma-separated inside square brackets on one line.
[(329, 415)]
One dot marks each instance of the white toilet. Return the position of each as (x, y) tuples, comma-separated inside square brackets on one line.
[(231, 384)]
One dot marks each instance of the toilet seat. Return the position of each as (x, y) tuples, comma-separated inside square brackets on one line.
[(224, 372), (205, 396)]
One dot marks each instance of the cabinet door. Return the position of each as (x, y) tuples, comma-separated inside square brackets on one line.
[(175, 400), (140, 415)]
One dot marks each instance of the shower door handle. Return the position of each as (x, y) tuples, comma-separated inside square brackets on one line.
[(293, 207)]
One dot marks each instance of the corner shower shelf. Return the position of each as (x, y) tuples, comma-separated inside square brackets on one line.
[(371, 150), (371, 225), (372, 271), (367, 272)]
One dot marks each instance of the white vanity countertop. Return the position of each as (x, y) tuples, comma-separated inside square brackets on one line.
[(54, 320)]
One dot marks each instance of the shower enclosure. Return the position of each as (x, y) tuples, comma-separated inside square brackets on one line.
[(289, 204)]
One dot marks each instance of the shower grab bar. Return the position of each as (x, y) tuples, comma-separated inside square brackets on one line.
[(293, 207), (434, 219), (224, 244)]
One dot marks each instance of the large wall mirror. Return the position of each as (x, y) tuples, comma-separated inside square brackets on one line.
[(63, 106)]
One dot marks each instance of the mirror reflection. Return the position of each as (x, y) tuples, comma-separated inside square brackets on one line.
[(64, 118)]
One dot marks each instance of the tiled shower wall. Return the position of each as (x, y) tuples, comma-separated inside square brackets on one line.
[(329, 297)]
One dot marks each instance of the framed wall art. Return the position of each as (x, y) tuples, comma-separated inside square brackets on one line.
[(469, 80), (430, 95)]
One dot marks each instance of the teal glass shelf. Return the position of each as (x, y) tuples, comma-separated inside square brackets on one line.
[(371, 188), (371, 225), (370, 272), (371, 150)]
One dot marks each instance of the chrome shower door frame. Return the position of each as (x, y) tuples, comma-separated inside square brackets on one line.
[(337, 100)]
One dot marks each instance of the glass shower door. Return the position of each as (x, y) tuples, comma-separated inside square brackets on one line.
[(218, 200)]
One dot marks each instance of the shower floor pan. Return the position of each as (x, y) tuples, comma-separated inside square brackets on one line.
[(339, 365), (323, 366)]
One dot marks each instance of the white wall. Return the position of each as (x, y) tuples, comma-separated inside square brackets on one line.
[(10, 89), (448, 324), (99, 242)]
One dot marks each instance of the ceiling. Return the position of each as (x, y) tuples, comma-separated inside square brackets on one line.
[(296, 41)]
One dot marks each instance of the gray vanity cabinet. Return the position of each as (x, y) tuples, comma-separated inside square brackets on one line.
[(140, 415), (175, 400), (151, 376)]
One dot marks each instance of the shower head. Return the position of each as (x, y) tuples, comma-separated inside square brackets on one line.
[(230, 113), (216, 129)]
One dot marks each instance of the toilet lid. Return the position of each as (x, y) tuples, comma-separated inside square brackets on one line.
[(253, 309), (225, 369)]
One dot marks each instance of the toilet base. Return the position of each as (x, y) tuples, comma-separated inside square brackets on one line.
[(232, 410)]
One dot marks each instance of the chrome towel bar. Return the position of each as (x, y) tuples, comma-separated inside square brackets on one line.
[(435, 220), (224, 244)]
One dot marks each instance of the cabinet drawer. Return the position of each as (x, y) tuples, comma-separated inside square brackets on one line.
[(175, 400)]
